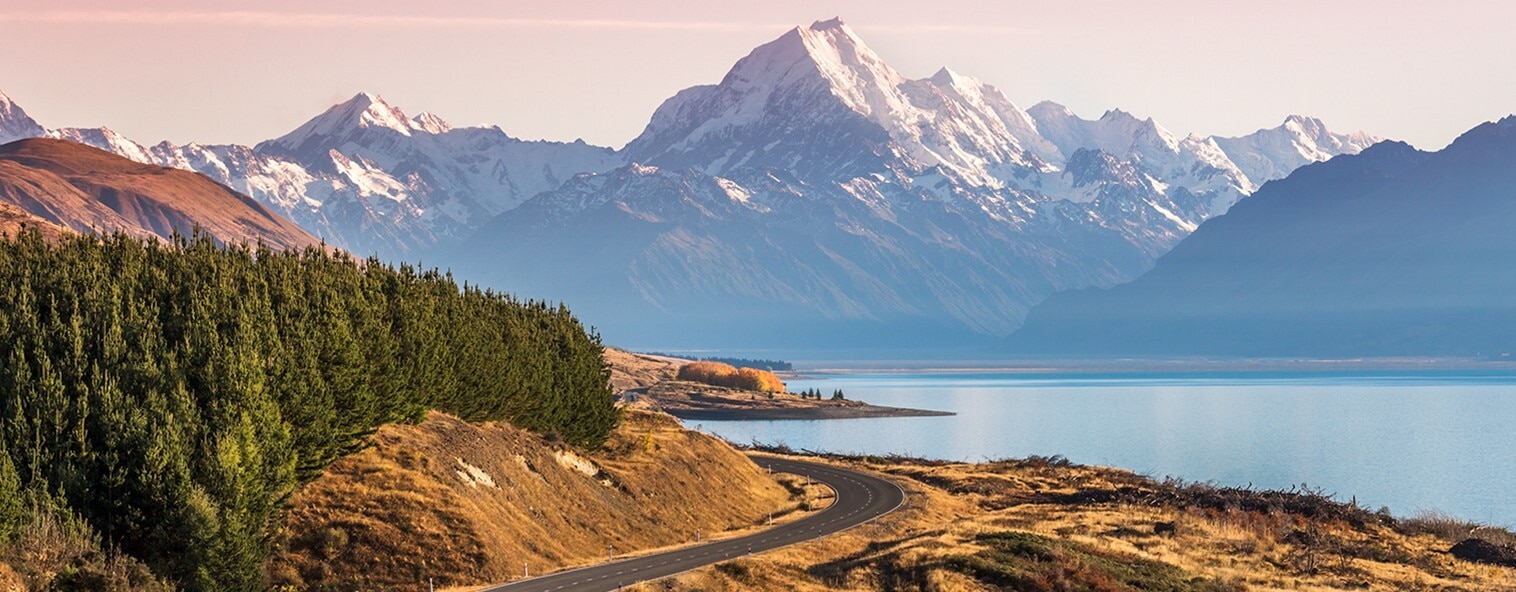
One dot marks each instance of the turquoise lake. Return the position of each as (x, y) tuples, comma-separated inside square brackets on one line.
[(1411, 441)]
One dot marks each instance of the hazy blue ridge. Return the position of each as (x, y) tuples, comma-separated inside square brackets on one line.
[(1390, 252)]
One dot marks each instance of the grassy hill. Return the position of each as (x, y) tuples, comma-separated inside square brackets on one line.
[(466, 504)]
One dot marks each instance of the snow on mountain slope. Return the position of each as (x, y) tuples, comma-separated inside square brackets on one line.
[(1269, 154), (340, 123), (15, 124), (1391, 252), (456, 177), (105, 139), (1193, 164), (824, 76), (363, 175), (1226, 168), (69, 185)]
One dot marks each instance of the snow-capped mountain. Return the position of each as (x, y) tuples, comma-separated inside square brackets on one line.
[(1270, 154), (1389, 252), (57, 187), (15, 124), (467, 173), (813, 187), (363, 175), (824, 76)]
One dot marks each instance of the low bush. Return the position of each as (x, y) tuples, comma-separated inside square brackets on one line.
[(1455, 530), (719, 374)]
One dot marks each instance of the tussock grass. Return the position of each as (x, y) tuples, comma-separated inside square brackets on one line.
[(466, 504), (1049, 524), (1456, 530)]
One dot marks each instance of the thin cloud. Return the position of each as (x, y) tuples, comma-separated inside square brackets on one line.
[(329, 21)]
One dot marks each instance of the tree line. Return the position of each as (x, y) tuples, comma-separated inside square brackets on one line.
[(173, 394)]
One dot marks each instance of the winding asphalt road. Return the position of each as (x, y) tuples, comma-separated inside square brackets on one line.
[(860, 498)]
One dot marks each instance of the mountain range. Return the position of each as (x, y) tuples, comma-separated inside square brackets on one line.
[(814, 195), (1392, 252), (56, 186)]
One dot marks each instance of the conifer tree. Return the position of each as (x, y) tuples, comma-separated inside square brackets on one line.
[(172, 395), (10, 496)]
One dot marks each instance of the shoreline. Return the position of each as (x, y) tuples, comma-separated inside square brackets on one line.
[(864, 411), (822, 369)]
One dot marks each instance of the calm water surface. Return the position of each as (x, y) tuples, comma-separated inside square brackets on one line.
[(1409, 441)]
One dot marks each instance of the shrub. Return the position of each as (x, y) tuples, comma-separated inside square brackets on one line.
[(1455, 530), (719, 374)]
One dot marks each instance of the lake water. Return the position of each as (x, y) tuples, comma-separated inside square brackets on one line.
[(1410, 441)]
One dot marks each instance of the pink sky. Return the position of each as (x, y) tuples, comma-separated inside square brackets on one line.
[(213, 71)]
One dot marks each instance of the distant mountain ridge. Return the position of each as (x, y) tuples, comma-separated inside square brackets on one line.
[(363, 175), (813, 187), (1393, 251), (64, 185)]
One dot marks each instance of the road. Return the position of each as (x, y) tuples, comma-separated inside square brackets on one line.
[(860, 498)]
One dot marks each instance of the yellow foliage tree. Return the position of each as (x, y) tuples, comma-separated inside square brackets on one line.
[(718, 374)]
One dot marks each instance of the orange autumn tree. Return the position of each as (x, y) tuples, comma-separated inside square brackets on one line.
[(719, 374)]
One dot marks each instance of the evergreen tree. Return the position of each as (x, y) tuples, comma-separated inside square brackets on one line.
[(10, 496), (173, 395)]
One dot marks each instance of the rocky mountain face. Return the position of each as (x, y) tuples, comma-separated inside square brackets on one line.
[(814, 194), (52, 185), (1390, 252), (15, 124)]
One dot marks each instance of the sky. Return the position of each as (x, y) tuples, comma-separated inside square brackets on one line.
[(216, 72)]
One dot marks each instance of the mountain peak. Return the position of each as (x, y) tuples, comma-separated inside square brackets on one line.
[(371, 111), (1304, 125), (826, 55), (1119, 114), (1502, 131), (429, 122), (1050, 109), (362, 112), (833, 23), (15, 124), (825, 74), (947, 77)]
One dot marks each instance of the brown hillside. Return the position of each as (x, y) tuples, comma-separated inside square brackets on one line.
[(467, 504), (13, 219), (630, 371), (85, 189)]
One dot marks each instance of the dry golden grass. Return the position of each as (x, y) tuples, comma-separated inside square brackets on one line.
[(10, 581), (629, 370), (467, 505), (1092, 519), (464, 504)]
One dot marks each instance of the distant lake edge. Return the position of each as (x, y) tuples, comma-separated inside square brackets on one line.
[(1412, 437)]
